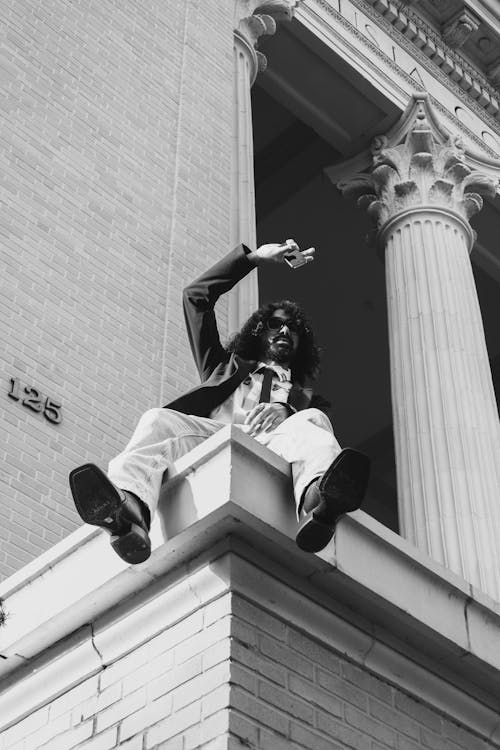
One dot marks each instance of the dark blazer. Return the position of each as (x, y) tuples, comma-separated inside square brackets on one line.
[(220, 371)]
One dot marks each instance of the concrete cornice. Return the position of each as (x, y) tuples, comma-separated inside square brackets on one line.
[(480, 86), (230, 518)]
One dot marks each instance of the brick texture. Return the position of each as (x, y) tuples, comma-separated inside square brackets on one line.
[(156, 696), (290, 691), (206, 683), (115, 187)]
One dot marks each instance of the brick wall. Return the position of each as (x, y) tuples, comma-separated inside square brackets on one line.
[(232, 675), (115, 149), (175, 687), (291, 692)]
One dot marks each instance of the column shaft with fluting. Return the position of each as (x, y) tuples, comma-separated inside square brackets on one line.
[(446, 426), (253, 19), (421, 192), (245, 297)]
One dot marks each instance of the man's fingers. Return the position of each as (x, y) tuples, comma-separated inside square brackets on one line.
[(267, 422), (309, 253), (292, 245), (254, 412)]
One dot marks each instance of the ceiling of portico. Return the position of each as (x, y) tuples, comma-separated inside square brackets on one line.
[(320, 88), (310, 112)]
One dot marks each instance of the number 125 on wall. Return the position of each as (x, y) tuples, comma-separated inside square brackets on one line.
[(34, 400)]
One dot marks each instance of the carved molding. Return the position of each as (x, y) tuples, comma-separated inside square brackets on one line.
[(255, 18), (460, 27), (494, 74), (476, 86), (399, 78), (419, 164), (403, 76)]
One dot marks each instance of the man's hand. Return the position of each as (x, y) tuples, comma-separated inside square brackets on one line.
[(265, 417), (275, 252)]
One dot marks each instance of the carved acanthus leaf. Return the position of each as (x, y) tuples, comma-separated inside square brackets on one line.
[(255, 19), (441, 189), (364, 201), (477, 182), (253, 27), (472, 204), (387, 157), (280, 10), (406, 189), (358, 186), (420, 164), (384, 174), (421, 161), (454, 167)]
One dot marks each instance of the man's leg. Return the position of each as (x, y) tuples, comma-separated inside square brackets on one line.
[(307, 441), (160, 438), (123, 502), (328, 481)]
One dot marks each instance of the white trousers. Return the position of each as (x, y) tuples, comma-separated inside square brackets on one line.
[(162, 436)]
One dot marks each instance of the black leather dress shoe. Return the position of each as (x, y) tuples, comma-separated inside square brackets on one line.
[(340, 490), (120, 513)]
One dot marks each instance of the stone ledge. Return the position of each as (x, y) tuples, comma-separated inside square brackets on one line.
[(229, 526)]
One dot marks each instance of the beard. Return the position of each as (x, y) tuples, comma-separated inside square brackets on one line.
[(280, 353)]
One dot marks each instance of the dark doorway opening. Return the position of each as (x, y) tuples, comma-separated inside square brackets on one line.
[(342, 292)]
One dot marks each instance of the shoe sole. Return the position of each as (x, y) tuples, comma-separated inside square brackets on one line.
[(99, 504), (96, 501), (344, 483), (134, 547), (313, 535), (343, 486)]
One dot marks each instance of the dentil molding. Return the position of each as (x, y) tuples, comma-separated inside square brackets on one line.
[(398, 74), (443, 50)]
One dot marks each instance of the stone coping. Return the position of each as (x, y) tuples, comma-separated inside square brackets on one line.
[(229, 525)]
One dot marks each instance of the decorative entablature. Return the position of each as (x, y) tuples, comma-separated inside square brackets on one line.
[(461, 38)]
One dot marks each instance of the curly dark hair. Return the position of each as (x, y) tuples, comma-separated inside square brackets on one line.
[(247, 343)]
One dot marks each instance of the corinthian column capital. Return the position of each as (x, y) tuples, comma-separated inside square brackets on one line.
[(254, 18), (419, 164)]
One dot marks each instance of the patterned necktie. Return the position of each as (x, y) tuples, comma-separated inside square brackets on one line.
[(265, 392)]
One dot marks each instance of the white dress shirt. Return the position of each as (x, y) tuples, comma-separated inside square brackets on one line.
[(235, 408)]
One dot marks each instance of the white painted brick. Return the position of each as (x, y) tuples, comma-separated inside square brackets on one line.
[(203, 640), (145, 675), (25, 727), (174, 635), (216, 700), (146, 717), (213, 655), (69, 739), (175, 724), (50, 730), (201, 685), (104, 741), (72, 698), (217, 609), (94, 263), (135, 743), (120, 710), (178, 675), (209, 729)]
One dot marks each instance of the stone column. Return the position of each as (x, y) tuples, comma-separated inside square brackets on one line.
[(421, 194), (253, 19)]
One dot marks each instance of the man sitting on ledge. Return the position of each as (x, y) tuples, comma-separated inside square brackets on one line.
[(257, 382)]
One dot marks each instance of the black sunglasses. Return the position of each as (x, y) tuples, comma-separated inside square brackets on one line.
[(276, 324)]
